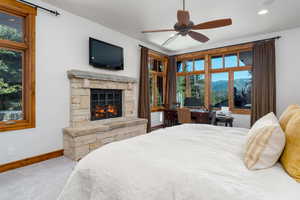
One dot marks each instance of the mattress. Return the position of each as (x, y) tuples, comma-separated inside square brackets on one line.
[(187, 162)]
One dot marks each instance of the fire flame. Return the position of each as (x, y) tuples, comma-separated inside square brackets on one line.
[(102, 110)]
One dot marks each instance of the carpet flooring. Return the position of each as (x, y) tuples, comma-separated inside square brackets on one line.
[(41, 181)]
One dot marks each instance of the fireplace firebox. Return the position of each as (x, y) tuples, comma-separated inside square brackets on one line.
[(106, 104)]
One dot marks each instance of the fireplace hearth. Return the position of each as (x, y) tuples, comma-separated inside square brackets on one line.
[(102, 111), (106, 104)]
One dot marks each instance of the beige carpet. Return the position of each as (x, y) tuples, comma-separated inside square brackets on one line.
[(41, 181)]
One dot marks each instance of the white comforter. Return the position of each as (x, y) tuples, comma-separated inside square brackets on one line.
[(187, 162)]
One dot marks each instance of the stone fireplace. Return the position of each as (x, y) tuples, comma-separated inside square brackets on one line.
[(102, 110)]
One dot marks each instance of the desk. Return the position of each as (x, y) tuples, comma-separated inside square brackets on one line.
[(198, 116)]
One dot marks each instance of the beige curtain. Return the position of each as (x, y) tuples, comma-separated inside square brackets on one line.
[(144, 89), (264, 80)]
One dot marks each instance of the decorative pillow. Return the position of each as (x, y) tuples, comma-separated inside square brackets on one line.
[(288, 114), (265, 143), (290, 158)]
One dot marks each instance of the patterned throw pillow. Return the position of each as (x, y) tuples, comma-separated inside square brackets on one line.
[(265, 143)]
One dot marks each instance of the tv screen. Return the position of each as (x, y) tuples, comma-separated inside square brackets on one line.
[(104, 55)]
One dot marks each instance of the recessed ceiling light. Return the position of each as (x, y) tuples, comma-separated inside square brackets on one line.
[(263, 12)]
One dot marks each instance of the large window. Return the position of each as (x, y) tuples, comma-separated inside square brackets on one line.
[(216, 78), (191, 82), (242, 89), (219, 89), (17, 41), (157, 65)]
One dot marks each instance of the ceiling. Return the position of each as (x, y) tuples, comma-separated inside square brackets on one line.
[(132, 16)]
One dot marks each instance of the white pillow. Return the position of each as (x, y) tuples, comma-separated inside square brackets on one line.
[(265, 143)]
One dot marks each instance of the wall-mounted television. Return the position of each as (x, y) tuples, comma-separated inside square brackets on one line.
[(105, 55)]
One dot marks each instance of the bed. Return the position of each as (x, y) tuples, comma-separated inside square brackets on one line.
[(186, 162)]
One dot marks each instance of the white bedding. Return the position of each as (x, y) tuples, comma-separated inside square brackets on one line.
[(187, 162)]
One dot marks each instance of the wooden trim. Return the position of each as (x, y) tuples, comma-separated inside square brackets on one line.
[(12, 45), (241, 111), (157, 108), (207, 55), (18, 8), (190, 73), (223, 50), (31, 160), (28, 49), (207, 83), (230, 90), (154, 74)]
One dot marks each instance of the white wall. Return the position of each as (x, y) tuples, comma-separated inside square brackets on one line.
[(288, 69), (156, 119), (61, 45)]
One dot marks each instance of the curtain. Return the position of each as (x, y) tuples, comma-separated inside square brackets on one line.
[(144, 91), (264, 80), (171, 83)]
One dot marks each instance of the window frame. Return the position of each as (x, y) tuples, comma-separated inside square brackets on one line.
[(28, 49), (208, 70), (155, 74), (193, 72)]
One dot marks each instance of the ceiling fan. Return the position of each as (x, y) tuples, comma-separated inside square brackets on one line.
[(185, 27)]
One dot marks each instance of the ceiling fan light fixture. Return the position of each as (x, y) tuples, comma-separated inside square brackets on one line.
[(184, 26), (263, 12)]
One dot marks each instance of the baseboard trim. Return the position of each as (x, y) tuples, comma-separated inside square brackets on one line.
[(30, 161)]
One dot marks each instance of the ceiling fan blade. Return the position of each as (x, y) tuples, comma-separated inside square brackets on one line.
[(183, 17), (171, 39), (198, 36), (213, 24), (156, 31)]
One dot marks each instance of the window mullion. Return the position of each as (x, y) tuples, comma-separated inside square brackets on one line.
[(230, 89), (207, 82)]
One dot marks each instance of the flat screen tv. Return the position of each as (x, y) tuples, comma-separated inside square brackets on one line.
[(104, 55)]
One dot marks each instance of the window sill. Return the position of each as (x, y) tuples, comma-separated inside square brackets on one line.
[(157, 109), (17, 126), (238, 111), (241, 111)]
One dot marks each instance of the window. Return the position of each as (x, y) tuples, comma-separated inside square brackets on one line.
[(17, 41), (242, 89), (199, 65), (220, 77), (245, 58), (231, 60), (197, 90), (157, 77), (180, 89), (191, 82), (231, 81), (219, 89), (217, 62)]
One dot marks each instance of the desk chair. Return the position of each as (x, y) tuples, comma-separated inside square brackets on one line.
[(184, 115)]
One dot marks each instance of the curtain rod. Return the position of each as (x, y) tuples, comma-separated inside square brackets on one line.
[(255, 41), (40, 7)]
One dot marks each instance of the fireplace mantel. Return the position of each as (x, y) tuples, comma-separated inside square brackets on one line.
[(84, 135), (81, 83), (97, 76)]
